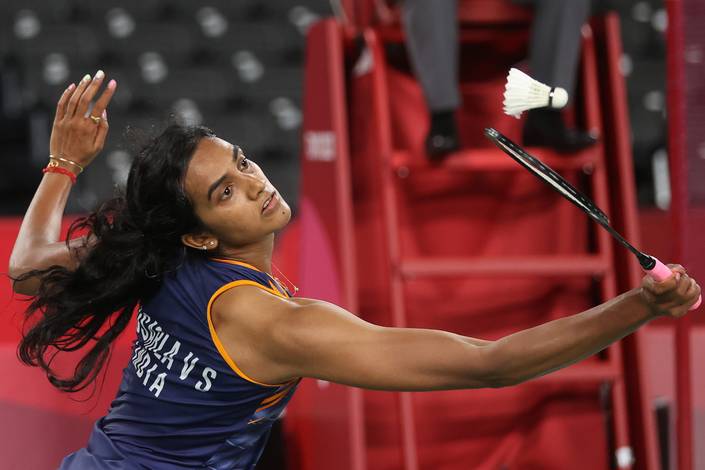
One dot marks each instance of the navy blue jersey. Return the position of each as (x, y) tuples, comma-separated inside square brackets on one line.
[(183, 401)]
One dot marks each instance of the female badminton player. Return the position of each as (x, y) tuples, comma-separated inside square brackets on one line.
[(221, 344)]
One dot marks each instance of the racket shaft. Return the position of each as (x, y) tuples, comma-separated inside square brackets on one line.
[(617, 236)]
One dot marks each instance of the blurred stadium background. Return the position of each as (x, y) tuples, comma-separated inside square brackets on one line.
[(235, 66), (238, 67)]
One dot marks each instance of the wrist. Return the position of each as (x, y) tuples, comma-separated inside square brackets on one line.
[(64, 166), (649, 301), (57, 166), (64, 161)]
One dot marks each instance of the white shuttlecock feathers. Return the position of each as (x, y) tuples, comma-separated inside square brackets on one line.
[(522, 93)]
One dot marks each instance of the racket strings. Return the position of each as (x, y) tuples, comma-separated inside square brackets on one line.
[(555, 180), (546, 173)]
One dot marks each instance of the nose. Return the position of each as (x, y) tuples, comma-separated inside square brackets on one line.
[(255, 187)]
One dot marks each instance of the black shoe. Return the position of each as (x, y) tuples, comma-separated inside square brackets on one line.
[(442, 137), (545, 128)]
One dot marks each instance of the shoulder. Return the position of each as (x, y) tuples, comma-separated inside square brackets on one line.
[(282, 325), (241, 297), (252, 303), (253, 315), (248, 320), (246, 311)]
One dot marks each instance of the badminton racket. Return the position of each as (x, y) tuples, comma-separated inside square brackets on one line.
[(650, 264)]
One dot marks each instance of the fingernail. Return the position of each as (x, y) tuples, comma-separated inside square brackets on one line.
[(98, 75), (71, 87), (678, 276), (111, 84), (86, 77), (105, 114)]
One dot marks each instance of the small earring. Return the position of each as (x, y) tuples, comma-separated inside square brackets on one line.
[(204, 247), (211, 243)]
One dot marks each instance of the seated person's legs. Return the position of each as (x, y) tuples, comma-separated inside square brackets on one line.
[(431, 29), (553, 56)]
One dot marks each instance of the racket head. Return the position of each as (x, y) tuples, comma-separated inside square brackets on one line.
[(547, 175), (542, 171)]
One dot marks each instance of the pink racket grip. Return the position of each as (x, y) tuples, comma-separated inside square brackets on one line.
[(661, 272)]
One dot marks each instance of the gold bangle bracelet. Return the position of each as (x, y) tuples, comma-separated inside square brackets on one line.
[(80, 168)]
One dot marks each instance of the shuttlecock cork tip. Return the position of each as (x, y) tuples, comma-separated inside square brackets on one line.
[(559, 98)]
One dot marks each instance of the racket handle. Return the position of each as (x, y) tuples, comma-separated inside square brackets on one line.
[(661, 272)]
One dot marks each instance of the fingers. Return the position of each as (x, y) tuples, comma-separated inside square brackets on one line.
[(685, 294), (674, 289), (102, 132), (692, 292), (684, 284), (78, 92), (677, 268), (89, 93), (673, 296), (102, 103), (671, 283), (85, 92), (690, 287), (662, 287), (681, 304), (61, 105)]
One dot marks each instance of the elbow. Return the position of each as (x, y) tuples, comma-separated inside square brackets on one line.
[(14, 272), (499, 371), (500, 378), (17, 266), (502, 382), (25, 286)]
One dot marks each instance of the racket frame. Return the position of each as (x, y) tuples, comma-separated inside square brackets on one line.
[(554, 180)]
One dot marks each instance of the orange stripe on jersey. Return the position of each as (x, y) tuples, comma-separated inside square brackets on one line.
[(278, 394), (214, 335), (271, 404)]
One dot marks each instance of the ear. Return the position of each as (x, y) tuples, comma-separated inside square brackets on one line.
[(201, 241)]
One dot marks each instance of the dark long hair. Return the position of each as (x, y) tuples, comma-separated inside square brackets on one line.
[(136, 239)]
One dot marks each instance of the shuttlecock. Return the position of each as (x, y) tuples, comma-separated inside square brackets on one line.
[(522, 93)]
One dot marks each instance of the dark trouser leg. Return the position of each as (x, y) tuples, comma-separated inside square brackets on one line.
[(431, 29), (555, 41), (554, 54)]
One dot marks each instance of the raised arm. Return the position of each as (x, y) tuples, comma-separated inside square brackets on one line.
[(76, 138), (274, 340)]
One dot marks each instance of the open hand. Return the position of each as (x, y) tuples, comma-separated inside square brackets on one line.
[(74, 135), (674, 296)]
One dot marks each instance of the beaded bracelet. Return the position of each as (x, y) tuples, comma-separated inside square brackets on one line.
[(57, 169)]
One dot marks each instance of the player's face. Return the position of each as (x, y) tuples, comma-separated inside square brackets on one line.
[(232, 196)]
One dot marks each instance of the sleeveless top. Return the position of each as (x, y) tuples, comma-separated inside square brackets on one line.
[(183, 402)]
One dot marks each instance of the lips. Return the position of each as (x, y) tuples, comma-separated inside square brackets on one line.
[(270, 202)]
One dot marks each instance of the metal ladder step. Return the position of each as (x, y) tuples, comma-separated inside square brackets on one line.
[(493, 159)]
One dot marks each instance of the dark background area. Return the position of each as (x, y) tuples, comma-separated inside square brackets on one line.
[(234, 66)]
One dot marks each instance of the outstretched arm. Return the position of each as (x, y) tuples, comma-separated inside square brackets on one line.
[(76, 138), (273, 340)]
